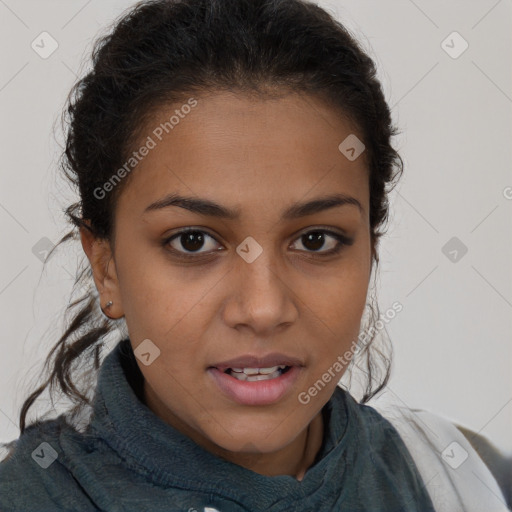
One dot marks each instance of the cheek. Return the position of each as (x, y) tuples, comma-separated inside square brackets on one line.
[(166, 314), (339, 299), (158, 299), (335, 308)]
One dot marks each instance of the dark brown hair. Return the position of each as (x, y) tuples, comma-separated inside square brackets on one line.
[(162, 51)]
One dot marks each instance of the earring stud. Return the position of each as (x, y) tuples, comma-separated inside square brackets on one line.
[(108, 304)]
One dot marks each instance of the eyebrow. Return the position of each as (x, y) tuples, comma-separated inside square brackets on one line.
[(213, 209)]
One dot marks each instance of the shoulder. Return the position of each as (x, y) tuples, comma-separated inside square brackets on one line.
[(34, 474), (441, 447), (498, 461)]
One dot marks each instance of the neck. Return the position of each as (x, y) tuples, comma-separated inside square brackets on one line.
[(294, 459)]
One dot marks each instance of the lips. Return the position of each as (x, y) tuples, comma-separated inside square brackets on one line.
[(262, 383), (252, 361), (259, 392)]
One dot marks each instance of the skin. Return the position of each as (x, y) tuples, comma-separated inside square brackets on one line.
[(260, 156)]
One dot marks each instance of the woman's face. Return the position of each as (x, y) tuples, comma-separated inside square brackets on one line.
[(250, 284)]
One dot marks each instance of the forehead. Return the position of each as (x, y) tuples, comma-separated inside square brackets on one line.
[(241, 150)]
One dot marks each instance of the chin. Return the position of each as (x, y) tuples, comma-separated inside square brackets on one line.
[(253, 441)]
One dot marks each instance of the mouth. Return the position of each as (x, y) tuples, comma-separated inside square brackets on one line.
[(257, 374), (255, 385)]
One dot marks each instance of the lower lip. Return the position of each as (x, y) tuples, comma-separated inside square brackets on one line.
[(260, 392)]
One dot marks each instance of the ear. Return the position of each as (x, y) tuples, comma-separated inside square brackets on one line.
[(99, 253)]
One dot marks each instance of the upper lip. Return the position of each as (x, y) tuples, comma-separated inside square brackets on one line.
[(266, 361)]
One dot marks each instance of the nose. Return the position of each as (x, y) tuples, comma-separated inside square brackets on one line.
[(260, 298)]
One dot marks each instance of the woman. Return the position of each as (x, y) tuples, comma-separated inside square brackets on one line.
[(233, 160)]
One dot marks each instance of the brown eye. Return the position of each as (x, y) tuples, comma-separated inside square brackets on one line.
[(313, 240), (191, 242), (331, 242)]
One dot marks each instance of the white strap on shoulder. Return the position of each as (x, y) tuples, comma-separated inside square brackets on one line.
[(455, 476)]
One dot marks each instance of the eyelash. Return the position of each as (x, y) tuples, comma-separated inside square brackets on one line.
[(341, 239)]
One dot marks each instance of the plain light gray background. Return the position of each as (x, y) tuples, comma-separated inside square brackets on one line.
[(452, 340)]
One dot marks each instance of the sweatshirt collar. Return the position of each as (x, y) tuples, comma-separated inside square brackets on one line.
[(172, 459)]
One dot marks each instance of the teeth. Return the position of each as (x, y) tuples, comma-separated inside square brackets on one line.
[(255, 374), (261, 371), (251, 371), (238, 375), (252, 378)]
